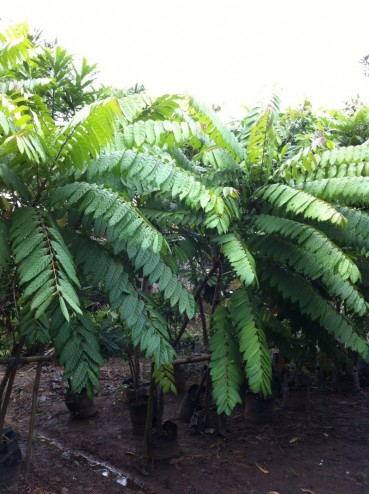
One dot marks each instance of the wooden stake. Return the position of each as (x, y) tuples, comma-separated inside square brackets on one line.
[(33, 417)]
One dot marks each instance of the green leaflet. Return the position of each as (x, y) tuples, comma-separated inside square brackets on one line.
[(218, 131)]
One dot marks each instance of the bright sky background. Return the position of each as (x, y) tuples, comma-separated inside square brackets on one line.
[(223, 52)]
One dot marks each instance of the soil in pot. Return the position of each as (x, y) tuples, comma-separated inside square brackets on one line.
[(10, 460), (296, 397), (258, 410), (80, 405)]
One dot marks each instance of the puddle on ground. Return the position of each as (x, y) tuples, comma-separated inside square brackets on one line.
[(89, 462)]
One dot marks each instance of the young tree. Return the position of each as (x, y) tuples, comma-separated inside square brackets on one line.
[(291, 248), (73, 199)]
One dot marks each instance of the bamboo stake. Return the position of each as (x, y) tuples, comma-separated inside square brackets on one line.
[(33, 417), (190, 360), (149, 416), (5, 403), (27, 360)]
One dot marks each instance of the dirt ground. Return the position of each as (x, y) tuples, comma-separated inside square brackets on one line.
[(322, 450)]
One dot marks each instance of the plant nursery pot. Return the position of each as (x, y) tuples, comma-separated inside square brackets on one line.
[(296, 398), (133, 394), (189, 404), (164, 441), (80, 405), (258, 410), (137, 402), (10, 460), (180, 378), (138, 411), (348, 382)]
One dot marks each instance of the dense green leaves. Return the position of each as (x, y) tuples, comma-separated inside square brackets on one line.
[(77, 347), (252, 342), (45, 266), (312, 304), (240, 258), (311, 240), (225, 368), (296, 202), (347, 190), (142, 201)]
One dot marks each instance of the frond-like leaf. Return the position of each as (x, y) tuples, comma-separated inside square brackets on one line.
[(219, 133), (225, 362), (45, 266), (252, 341), (92, 128), (77, 348), (346, 190), (239, 256), (355, 235), (147, 328), (126, 223), (292, 287), (297, 202), (311, 240), (310, 264)]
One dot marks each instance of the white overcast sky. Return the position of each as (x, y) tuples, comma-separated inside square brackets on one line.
[(223, 52)]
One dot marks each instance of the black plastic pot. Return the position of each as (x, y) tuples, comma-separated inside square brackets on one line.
[(296, 397), (258, 409), (137, 402), (164, 441), (180, 378), (80, 405), (138, 411), (10, 460), (348, 382)]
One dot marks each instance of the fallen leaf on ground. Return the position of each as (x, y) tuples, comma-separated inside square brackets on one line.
[(262, 469), (307, 491), (272, 492), (130, 453), (173, 461), (294, 440), (209, 430)]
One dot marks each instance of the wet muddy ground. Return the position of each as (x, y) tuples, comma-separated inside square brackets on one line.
[(322, 450)]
